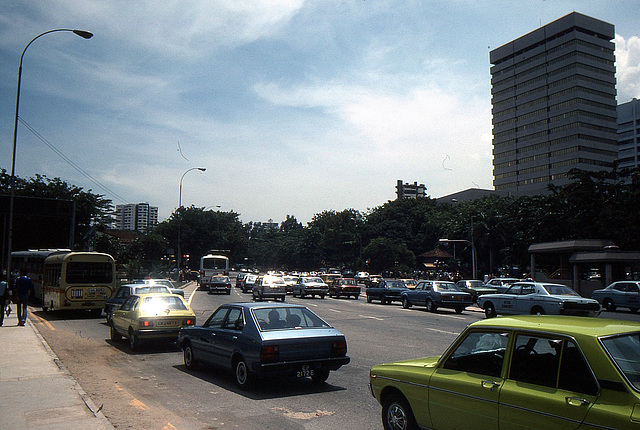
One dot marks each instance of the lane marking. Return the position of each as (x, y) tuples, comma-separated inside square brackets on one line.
[(441, 331), (335, 310), (370, 317), (41, 320)]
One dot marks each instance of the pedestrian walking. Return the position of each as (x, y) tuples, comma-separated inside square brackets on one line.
[(4, 295), (23, 287)]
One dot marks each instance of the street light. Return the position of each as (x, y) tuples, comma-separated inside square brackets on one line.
[(473, 252), (179, 257), (85, 35)]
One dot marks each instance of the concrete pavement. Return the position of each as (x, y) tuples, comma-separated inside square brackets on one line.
[(36, 391)]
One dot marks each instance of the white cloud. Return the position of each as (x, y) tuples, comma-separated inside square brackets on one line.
[(628, 67)]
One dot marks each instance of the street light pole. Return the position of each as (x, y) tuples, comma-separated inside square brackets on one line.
[(473, 252), (179, 256), (85, 35)]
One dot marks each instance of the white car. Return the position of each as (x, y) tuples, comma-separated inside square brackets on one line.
[(538, 298)]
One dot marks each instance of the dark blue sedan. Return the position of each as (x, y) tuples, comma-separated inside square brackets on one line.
[(263, 340)]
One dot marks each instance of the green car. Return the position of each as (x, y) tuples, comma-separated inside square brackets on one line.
[(543, 372)]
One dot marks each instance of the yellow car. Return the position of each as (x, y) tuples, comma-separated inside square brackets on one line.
[(521, 372), (151, 316)]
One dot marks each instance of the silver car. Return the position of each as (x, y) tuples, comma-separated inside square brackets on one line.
[(625, 294), (538, 298)]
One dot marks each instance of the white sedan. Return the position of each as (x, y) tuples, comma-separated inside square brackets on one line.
[(538, 298)]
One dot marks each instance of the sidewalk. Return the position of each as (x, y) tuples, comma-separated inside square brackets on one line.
[(36, 392)]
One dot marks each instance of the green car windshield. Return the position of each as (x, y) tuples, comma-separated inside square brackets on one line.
[(625, 352)]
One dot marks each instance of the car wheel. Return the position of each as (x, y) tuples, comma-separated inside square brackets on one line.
[(405, 303), (489, 310), (355, 297), (134, 342), (320, 376), (109, 318), (459, 310), (609, 305), (115, 336), (189, 360), (244, 379), (383, 300), (368, 299), (430, 306), (537, 310), (397, 414), (322, 296), (633, 310)]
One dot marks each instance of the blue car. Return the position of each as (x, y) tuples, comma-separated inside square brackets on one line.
[(256, 340), (437, 294), (625, 294)]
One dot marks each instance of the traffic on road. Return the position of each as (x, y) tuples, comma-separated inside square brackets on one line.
[(156, 384)]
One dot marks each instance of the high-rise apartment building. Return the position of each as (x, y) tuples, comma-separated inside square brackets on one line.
[(554, 104), (410, 191), (138, 217), (629, 134)]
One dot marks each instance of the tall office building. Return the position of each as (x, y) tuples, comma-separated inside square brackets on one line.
[(554, 104), (138, 217), (629, 134)]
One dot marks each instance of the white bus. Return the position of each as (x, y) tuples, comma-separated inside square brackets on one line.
[(78, 280), (33, 262), (212, 265)]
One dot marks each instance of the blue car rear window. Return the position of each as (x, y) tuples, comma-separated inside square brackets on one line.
[(287, 319)]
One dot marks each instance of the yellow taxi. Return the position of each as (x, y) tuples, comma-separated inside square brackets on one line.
[(151, 316)]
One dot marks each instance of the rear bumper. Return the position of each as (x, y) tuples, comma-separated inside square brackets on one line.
[(291, 367)]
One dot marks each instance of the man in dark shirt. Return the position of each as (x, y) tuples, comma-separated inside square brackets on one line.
[(23, 286)]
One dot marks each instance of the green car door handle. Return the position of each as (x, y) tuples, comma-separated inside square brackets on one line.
[(492, 385), (575, 401)]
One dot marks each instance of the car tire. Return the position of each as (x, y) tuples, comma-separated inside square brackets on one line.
[(320, 376), (244, 378), (355, 297), (322, 296), (537, 310), (633, 310), (405, 303), (189, 359), (368, 299), (134, 342), (383, 300), (431, 307), (397, 414), (609, 305), (489, 310), (459, 310), (115, 336)]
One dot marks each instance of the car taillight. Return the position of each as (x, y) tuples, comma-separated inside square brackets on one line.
[(269, 353), (339, 348), (189, 321), (146, 323)]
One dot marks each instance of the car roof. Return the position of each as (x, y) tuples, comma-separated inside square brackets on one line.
[(568, 325), (252, 305)]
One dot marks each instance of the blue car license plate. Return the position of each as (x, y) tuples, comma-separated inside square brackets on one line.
[(306, 371)]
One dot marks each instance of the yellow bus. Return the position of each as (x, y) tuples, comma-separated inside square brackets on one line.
[(78, 280)]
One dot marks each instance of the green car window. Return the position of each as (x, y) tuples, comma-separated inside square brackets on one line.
[(479, 352), (625, 353), (551, 362)]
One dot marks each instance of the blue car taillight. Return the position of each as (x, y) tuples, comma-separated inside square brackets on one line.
[(339, 348), (269, 353)]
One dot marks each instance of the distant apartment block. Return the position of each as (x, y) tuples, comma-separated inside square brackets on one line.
[(137, 217), (410, 191), (629, 134), (554, 105)]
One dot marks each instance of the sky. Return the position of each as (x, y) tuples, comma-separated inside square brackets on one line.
[(294, 107)]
